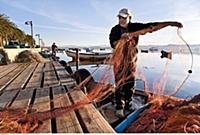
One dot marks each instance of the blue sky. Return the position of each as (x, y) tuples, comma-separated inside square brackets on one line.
[(88, 22)]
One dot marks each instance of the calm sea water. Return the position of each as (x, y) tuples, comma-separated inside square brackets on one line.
[(152, 67)]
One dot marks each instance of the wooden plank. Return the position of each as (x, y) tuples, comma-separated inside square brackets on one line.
[(50, 78), (64, 77), (6, 80), (92, 120), (42, 104), (20, 81), (35, 80), (23, 99), (7, 97), (59, 67), (15, 86), (68, 122), (8, 68)]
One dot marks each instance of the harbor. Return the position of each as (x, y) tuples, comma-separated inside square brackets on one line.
[(48, 89), (99, 67)]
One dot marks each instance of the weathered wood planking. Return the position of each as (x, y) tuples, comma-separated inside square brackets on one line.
[(7, 97), (68, 122), (64, 77), (15, 86), (20, 81), (41, 104), (50, 78), (42, 100), (36, 79), (92, 120), (23, 99), (6, 67), (4, 70), (6, 80)]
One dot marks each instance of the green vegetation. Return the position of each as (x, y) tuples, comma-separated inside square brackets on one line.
[(9, 33)]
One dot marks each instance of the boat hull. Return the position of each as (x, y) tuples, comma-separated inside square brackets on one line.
[(88, 56)]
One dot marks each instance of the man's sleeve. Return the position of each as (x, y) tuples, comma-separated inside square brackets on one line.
[(141, 26), (114, 36)]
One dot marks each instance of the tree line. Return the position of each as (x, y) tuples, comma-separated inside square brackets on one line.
[(10, 32)]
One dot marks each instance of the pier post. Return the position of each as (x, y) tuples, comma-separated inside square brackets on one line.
[(77, 59)]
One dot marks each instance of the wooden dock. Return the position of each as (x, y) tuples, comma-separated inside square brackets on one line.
[(42, 87)]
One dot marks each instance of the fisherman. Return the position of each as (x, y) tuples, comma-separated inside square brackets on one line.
[(125, 89), (54, 49)]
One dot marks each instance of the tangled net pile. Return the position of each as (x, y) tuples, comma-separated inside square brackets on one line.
[(28, 56), (11, 122), (173, 116)]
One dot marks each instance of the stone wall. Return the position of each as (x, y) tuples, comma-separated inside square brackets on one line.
[(13, 52)]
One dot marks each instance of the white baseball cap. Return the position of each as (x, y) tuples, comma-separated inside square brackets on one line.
[(124, 12)]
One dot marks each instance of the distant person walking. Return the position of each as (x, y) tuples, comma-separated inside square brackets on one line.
[(54, 49)]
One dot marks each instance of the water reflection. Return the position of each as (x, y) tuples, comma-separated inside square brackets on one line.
[(177, 70), (152, 66)]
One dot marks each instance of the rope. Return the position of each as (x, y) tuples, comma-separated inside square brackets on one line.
[(180, 36), (191, 66)]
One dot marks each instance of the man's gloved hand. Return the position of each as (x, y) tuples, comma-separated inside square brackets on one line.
[(177, 24)]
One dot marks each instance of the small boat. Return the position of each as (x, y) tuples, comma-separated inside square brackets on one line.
[(107, 106), (153, 49), (90, 56), (144, 51), (165, 54)]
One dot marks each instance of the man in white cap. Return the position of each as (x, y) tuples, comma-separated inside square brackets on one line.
[(125, 89)]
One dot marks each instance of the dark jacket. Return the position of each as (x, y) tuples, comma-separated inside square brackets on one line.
[(53, 47), (117, 31)]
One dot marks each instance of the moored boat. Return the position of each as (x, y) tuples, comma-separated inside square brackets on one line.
[(144, 51), (94, 56)]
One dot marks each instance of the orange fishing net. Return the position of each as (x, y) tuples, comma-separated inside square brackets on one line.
[(173, 116), (124, 54)]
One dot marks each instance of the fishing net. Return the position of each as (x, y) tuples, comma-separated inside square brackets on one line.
[(173, 116), (29, 56), (125, 57), (11, 122)]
